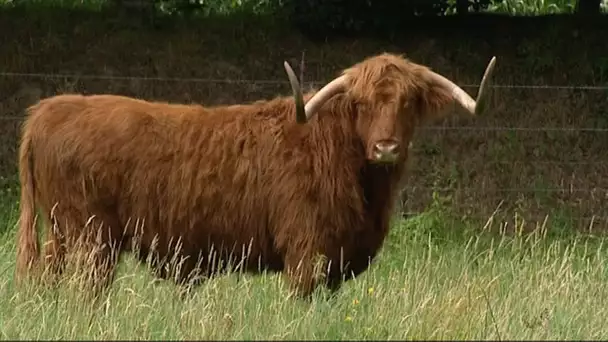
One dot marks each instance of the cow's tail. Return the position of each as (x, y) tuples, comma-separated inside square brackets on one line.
[(27, 236)]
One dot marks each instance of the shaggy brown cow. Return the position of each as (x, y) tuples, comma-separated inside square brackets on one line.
[(235, 179)]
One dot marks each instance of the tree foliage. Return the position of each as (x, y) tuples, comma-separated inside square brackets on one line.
[(341, 15)]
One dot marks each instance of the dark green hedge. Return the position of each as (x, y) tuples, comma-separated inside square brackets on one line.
[(350, 16)]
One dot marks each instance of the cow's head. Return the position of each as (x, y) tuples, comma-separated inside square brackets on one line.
[(392, 95)]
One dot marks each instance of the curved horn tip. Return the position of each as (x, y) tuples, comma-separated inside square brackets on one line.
[(481, 100), (288, 69), (490, 67), (287, 66)]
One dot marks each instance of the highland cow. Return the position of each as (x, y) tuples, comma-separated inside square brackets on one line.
[(231, 180)]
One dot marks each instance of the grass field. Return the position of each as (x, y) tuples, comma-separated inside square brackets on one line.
[(435, 279)]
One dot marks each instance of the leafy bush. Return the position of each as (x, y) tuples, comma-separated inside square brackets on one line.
[(533, 7), (220, 7)]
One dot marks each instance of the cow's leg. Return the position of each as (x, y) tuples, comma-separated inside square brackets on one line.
[(103, 246), (190, 275), (169, 261), (356, 265), (316, 244), (57, 223), (344, 267), (54, 250), (305, 270)]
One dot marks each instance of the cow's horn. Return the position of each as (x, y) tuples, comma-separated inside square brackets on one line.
[(297, 93), (473, 106), (304, 113)]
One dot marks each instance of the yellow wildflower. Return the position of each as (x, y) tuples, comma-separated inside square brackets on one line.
[(370, 290), (348, 318)]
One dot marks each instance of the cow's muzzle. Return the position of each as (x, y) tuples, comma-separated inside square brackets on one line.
[(385, 152)]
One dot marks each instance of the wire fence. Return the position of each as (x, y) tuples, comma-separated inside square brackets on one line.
[(78, 76), (261, 81), (594, 188)]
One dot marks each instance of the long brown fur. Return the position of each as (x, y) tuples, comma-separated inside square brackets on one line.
[(243, 178)]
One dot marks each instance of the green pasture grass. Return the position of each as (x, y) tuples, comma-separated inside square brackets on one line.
[(436, 278)]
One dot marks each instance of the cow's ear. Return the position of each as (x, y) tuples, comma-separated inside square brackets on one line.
[(434, 102)]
